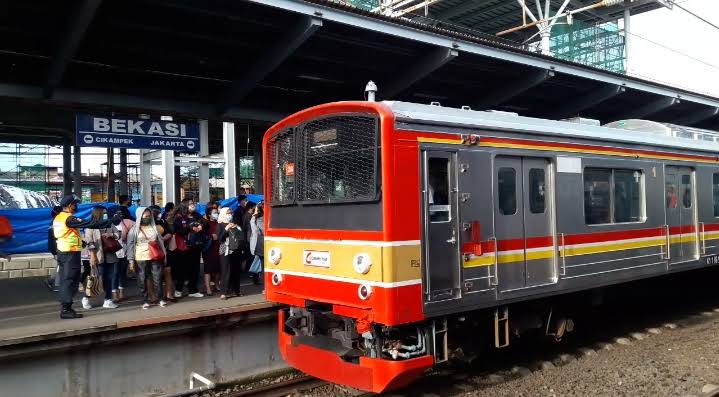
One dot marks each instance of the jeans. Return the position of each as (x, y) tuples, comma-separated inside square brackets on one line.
[(119, 276), (143, 270), (70, 267), (107, 271)]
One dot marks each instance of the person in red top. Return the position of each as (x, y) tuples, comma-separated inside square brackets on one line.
[(211, 250)]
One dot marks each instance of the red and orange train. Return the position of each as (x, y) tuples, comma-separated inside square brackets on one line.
[(389, 224)]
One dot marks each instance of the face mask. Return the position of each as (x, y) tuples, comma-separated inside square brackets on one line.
[(145, 221), (214, 216), (104, 217)]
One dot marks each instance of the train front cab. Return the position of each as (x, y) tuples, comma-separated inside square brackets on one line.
[(342, 246)]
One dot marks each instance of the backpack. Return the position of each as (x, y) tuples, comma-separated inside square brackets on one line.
[(235, 238)]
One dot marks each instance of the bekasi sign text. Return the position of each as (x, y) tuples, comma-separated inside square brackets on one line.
[(132, 133)]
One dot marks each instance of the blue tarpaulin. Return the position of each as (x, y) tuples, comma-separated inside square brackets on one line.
[(30, 225)]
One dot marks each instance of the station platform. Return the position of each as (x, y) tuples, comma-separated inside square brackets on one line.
[(29, 311)]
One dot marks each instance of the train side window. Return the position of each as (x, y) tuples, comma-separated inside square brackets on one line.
[(627, 196), (715, 191), (438, 189), (597, 196), (687, 191), (537, 188), (507, 189)]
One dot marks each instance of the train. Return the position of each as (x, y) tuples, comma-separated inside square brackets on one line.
[(396, 231)]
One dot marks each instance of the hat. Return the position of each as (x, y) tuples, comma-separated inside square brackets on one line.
[(69, 200), (245, 186)]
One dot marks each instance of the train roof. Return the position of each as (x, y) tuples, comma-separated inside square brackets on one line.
[(502, 121)]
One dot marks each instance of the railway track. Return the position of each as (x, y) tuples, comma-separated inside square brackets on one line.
[(282, 388)]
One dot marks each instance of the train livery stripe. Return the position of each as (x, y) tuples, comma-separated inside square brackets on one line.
[(514, 143), (510, 251)]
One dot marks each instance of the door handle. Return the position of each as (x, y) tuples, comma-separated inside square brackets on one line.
[(453, 240)]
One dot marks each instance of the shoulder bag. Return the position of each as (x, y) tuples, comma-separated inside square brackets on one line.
[(156, 252)]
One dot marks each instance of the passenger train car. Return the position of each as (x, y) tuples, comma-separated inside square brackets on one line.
[(389, 224)]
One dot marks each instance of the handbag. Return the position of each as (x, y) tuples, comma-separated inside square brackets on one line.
[(93, 284), (156, 252), (110, 245)]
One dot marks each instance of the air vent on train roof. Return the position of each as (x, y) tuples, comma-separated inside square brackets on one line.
[(582, 120), (666, 129)]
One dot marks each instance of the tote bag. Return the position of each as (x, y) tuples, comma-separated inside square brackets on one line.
[(93, 285)]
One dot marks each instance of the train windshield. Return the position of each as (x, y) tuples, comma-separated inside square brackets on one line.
[(327, 162)]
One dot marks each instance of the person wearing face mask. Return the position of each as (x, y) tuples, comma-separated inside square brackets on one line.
[(165, 231), (186, 255), (211, 250), (143, 259), (102, 255), (69, 245)]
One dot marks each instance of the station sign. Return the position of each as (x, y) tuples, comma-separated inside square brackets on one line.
[(136, 133)]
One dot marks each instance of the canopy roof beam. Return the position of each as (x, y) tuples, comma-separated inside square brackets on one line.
[(421, 69), (576, 105), (506, 92), (283, 48)]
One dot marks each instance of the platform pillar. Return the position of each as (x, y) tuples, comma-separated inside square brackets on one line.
[(146, 178), (204, 174), (257, 157), (66, 169), (77, 171), (627, 37), (111, 175), (169, 194), (123, 172), (228, 142)]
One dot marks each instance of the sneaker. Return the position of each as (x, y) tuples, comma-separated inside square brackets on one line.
[(178, 294), (86, 303), (163, 303), (145, 306), (109, 304), (196, 295)]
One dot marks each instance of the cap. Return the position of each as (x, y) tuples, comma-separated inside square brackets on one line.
[(245, 186), (69, 200)]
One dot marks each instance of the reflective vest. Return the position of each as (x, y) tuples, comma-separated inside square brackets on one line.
[(68, 239)]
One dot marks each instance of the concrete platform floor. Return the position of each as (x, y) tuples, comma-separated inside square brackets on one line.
[(30, 311)]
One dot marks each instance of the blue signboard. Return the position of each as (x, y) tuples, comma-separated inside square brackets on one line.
[(132, 133)]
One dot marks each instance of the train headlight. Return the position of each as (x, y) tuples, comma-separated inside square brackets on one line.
[(276, 279), (362, 263), (364, 292), (275, 255)]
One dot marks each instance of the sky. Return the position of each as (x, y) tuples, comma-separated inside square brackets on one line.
[(683, 33)]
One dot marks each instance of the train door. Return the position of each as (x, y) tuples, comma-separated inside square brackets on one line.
[(441, 276), (523, 223), (681, 214)]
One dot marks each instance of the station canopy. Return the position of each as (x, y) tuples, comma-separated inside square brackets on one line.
[(260, 60)]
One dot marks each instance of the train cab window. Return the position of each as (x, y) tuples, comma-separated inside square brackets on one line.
[(537, 188), (507, 189), (687, 191), (438, 189), (715, 191), (597, 196), (627, 196)]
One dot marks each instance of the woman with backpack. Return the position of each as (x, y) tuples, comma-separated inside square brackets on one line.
[(231, 238), (102, 245)]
